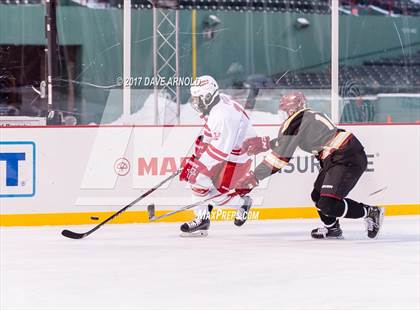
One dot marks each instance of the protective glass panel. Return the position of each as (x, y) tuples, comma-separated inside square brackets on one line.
[(60, 62), (90, 34), (256, 50), (22, 62), (380, 62)]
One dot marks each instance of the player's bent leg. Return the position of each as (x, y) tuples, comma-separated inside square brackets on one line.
[(200, 193), (329, 209), (242, 204), (200, 225), (242, 213), (348, 208), (373, 221), (372, 215), (326, 220), (231, 174), (332, 207)]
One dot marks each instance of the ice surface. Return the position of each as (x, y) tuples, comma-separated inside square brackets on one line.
[(262, 265)]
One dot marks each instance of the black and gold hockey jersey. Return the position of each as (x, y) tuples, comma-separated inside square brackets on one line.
[(312, 132)]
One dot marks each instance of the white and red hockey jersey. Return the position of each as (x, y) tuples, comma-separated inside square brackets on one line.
[(227, 126)]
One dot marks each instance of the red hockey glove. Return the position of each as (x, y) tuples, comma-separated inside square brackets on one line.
[(200, 146), (191, 168), (246, 184), (256, 145)]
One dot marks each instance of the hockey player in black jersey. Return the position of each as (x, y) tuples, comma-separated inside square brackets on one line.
[(341, 156)]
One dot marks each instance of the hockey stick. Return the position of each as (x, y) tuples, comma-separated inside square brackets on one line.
[(378, 191), (151, 207), (75, 235)]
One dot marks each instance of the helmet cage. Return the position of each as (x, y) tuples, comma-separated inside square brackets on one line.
[(202, 104)]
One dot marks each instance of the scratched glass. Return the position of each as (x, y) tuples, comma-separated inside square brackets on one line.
[(379, 62), (115, 62)]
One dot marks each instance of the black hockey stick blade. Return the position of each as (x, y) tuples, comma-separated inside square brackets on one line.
[(74, 235), (71, 234), (151, 211)]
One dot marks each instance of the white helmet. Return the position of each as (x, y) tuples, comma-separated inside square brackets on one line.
[(204, 91)]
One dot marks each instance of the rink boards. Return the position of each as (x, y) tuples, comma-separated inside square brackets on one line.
[(65, 175)]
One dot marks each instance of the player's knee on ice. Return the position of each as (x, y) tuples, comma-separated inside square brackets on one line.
[(331, 207)]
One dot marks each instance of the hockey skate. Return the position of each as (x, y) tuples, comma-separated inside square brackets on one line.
[(196, 228), (242, 213), (373, 220), (333, 232), (199, 226)]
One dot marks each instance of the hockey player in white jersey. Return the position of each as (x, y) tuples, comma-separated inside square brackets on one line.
[(218, 162)]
